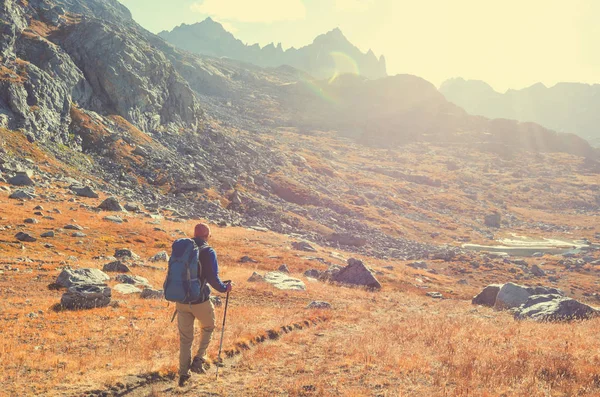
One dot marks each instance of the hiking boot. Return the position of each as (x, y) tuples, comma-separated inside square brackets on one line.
[(198, 366), (183, 379)]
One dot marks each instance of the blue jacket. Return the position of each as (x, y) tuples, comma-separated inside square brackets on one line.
[(210, 270)]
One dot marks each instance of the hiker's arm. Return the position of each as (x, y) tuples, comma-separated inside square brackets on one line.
[(212, 271)]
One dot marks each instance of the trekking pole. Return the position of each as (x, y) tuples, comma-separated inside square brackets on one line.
[(223, 331)]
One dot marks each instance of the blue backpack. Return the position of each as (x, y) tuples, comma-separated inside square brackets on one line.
[(183, 283)]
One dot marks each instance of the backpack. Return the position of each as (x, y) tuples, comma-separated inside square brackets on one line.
[(183, 283)]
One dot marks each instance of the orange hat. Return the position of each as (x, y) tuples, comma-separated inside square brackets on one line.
[(202, 230)]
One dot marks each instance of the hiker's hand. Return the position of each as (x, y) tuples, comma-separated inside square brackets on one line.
[(229, 286)]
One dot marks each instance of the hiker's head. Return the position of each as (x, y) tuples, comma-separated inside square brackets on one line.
[(202, 231)]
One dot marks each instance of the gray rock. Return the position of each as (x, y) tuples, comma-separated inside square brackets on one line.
[(487, 297), (330, 273), (513, 295), (127, 289), (161, 256), (22, 178), (283, 281), (126, 253), (312, 273), (23, 194), (25, 237), (78, 234), (133, 207), (493, 220), (435, 295), (47, 234), (113, 218), (255, 277), (31, 221), (149, 293), (84, 191), (319, 305), (554, 308), (116, 266), (134, 280), (111, 204), (537, 271), (418, 265), (356, 273), (303, 246), (247, 259), (284, 269), (73, 227), (86, 276), (86, 297)]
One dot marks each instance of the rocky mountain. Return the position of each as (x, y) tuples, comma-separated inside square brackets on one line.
[(565, 107), (330, 53)]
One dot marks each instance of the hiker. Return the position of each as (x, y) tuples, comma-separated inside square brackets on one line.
[(201, 309)]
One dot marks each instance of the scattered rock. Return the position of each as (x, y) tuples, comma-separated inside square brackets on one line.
[(132, 207), (284, 269), (49, 233), (161, 256), (116, 266), (303, 246), (25, 237), (113, 218), (435, 295), (418, 265), (255, 277), (347, 239), (149, 293), (356, 273), (553, 307), (312, 273), (284, 281), (85, 297), (31, 221), (86, 276), (84, 191), (22, 194), (22, 178), (111, 204), (537, 271), (126, 253), (487, 297), (78, 234), (247, 259), (127, 289), (319, 305), (134, 280), (73, 227)]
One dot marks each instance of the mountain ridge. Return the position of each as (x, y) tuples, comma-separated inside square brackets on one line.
[(210, 38)]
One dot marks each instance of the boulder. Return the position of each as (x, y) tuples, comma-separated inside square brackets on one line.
[(111, 204), (69, 277), (312, 273), (23, 194), (255, 277), (493, 220), (552, 307), (116, 266), (81, 296), (32, 221), (25, 237), (126, 253), (49, 233), (284, 269), (161, 256), (487, 297), (127, 289), (133, 280), (284, 281), (303, 246), (537, 271), (513, 295), (113, 218), (22, 178), (319, 305), (149, 293), (84, 191), (356, 273)]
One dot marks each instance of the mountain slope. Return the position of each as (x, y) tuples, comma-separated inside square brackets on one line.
[(330, 53), (565, 107)]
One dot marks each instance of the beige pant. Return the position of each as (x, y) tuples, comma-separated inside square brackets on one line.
[(186, 315)]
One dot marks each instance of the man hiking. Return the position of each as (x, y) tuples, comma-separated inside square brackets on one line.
[(201, 308)]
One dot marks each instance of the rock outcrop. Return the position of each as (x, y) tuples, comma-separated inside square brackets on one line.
[(82, 296), (356, 273)]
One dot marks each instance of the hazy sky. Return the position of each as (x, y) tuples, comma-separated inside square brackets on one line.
[(509, 43)]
